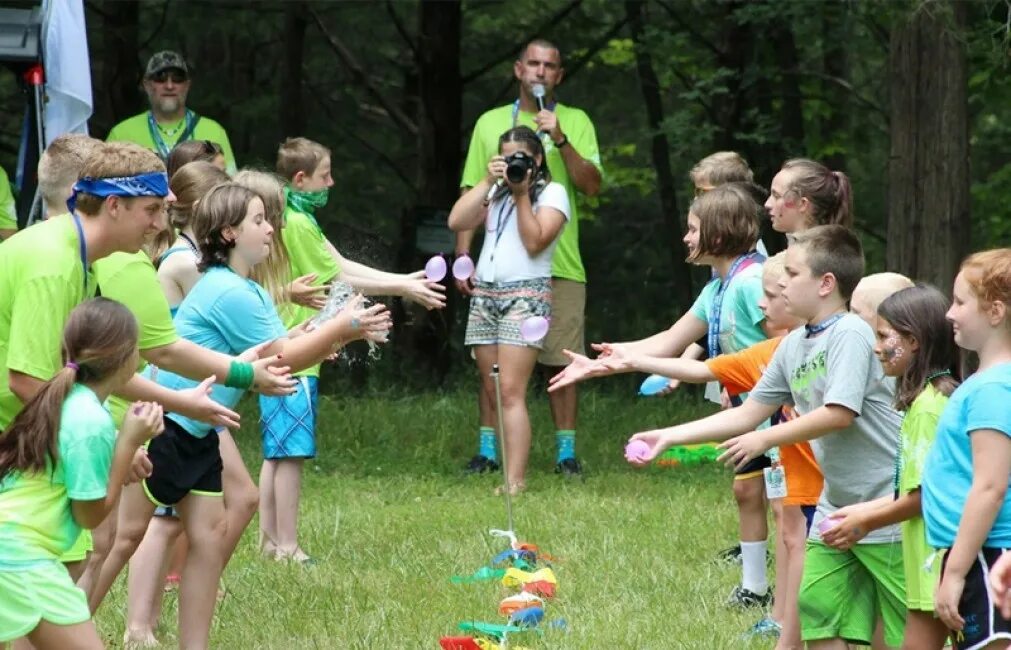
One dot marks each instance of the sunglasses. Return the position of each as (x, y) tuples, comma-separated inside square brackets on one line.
[(176, 76)]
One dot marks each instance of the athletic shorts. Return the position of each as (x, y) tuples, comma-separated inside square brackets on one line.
[(79, 551), (568, 322), (752, 468), (43, 592), (843, 593), (497, 310), (983, 622), (808, 517), (182, 464), (288, 423)]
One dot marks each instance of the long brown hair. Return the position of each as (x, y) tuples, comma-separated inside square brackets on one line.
[(99, 339), (224, 206), (918, 313), (189, 183), (728, 221)]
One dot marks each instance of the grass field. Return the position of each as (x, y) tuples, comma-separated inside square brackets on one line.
[(391, 517)]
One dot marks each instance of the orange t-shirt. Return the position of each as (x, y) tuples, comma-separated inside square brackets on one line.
[(739, 373)]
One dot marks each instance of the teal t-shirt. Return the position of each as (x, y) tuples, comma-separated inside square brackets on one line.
[(578, 128), (36, 521), (136, 129), (740, 317)]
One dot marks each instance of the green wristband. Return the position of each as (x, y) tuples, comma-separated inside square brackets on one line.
[(240, 375)]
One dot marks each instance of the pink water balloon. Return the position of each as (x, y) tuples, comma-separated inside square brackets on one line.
[(826, 525), (534, 328), (463, 268), (636, 451), (435, 269)]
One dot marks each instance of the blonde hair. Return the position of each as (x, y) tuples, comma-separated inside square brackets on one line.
[(274, 274), (299, 155), (775, 266), (60, 166), (874, 288), (113, 159), (721, 167)]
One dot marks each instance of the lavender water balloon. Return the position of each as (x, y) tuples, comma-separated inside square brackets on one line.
[(463, 268), (435, 268)]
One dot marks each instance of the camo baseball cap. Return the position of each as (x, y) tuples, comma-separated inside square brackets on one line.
[(166, 60)]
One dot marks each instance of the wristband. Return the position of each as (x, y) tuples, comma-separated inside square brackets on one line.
[(564, 142), (240, 375)]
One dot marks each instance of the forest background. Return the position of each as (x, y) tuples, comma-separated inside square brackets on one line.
[(911, 99)]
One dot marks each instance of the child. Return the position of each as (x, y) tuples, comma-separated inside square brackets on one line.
[(513, 280), (61, 469), (966, 474), (828, 372), (59, 168), (914, 344), (227, 312), (722, 231), (191, 150), (806, 193), (288, 425)]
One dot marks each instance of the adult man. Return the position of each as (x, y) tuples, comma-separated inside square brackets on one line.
[(574, 161), (169, 122)]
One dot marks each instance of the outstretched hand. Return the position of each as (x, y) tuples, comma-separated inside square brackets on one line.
[(658, 441), (428, 294), (742, 449)]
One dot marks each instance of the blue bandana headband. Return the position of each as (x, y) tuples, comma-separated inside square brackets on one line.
[(149, 184)]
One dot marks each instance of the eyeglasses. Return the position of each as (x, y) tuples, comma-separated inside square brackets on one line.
[(176, 76)]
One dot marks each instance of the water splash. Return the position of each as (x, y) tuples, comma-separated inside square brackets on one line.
[(339, 294)]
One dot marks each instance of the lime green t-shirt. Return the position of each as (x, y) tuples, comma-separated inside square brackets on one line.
[(132, 279), (135, 129), (8, 217), (308, 253), (36, 521), (42, 279), (578, 128)]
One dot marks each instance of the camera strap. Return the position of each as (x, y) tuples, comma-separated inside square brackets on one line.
[(501, 220)]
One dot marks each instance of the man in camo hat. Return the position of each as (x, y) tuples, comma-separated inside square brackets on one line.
[(169, 122)]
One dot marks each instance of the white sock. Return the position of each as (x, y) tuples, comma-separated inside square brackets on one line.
[(753, 561)]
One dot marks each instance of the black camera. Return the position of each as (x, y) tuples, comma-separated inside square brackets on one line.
[(518, 165)]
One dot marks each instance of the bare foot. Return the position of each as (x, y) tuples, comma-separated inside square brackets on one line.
[(136, 639), (295, 555), (514, 488)]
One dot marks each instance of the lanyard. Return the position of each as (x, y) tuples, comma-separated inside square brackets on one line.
[(83, 247), (159, 142), (818, 328), (715, 315), (501, 222), (516, 110)]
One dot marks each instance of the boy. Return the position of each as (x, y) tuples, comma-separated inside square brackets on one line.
[(59, 168), (288, 424), (829, 373)]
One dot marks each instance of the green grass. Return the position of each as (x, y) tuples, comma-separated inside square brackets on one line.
[(391, 518)]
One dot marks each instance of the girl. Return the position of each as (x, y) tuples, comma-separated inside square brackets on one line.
[(806, 193), (513, 279), (915, 344), (190, 150), (966, 473), (61, 469), (224, 311)]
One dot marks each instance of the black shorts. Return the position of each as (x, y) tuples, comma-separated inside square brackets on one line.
[(753, 468), (182, 464), (983, 622)]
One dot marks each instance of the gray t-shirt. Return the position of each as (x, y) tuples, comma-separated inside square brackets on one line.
[(839, 367)]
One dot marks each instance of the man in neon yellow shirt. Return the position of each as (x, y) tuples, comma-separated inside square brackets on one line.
[(169, 122), (8, 217), (573, 158)]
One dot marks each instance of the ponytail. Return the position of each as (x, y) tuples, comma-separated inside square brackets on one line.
[(829, 192), (99, 340)]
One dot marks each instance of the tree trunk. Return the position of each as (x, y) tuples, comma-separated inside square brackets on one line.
[(291, 108), (439, 160), (120, 65), (836, 33), (928, 196), (650, 88)]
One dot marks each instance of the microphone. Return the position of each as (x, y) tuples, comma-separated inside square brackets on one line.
[(538, 92)]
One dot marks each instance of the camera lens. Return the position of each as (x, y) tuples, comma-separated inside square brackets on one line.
[(517, 167)]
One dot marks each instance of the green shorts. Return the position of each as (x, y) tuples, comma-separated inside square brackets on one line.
[(43, 592), (79, 551), (843, 592)]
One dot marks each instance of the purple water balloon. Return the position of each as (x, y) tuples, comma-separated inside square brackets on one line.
[(636, 450), (463, 267), (534, 328), (435, 269), (826, 525)]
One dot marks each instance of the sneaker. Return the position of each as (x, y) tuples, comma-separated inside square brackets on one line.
[(480, 464), (730, 555), (766, 627), (569, 468), (742, 598)]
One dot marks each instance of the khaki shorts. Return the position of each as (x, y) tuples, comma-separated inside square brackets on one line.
[(568, 320)]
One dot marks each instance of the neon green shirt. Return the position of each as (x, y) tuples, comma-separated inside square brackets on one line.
[(8, 217), (36, 521), (578, 128), (135, 129), (132, 279), (42, 279), (308, 253)]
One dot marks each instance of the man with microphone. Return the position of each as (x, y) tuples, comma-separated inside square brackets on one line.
[(573, 158)]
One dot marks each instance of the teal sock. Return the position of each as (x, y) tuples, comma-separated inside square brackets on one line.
[(488, 446), (566, 441)]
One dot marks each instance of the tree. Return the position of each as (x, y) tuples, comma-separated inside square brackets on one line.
[(928, 195)]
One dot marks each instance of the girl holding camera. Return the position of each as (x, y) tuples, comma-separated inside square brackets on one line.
[(524, 213)]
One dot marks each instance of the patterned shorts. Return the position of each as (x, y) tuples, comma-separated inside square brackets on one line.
[(498, 309), (288, 423)]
